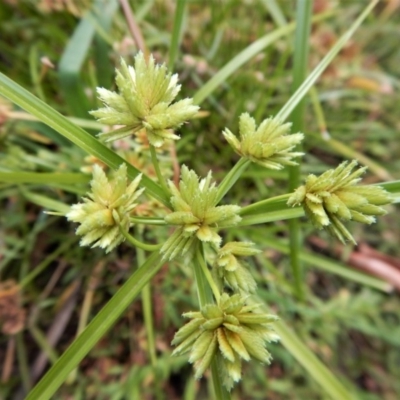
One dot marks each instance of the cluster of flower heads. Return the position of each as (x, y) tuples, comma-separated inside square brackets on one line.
[(107, 209), (230, 330), (334, 197), (146, 92), (269, 145)]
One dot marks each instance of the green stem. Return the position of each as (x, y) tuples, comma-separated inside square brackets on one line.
[(176, 32), (147, 312), (316, 73), (136, 243), (23, 362), (156, 165), (205, 297), (230, 179), (147, 221), (265, 205), (300, 63), (209, 278)]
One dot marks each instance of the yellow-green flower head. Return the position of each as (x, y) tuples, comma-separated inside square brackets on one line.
[(106, 210), (334, 197), (196, 213), (269, 145), (230, 330), (231, 270), (144, 102)]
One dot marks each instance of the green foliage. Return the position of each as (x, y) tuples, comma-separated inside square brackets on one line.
[(339, 341)]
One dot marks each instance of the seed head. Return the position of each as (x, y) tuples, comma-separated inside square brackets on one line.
[(230, 330), (146, 92), (196, 214), (106, 209), (269, 145), (334, 197), (233, 271)]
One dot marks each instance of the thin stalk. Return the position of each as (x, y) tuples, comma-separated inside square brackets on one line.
[(338, 147), (300, 63), (147, 311), (231, 178), (264, 205), (138, 244), (46, 262), (209, 278), (176, 32), (205, 297), (93, 282), (23, 363), (156, 165), (148, 221), (43, 343), (316, 73)]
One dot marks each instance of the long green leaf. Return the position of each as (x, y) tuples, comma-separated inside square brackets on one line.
[(100, 324), (81, 138), (316, 73), (332, 386), (245, 55), (43, 177)]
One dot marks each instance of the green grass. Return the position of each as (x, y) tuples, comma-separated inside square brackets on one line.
[(341, 341)]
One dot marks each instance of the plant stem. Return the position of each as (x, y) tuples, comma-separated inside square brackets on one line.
[(147, 311), (205, 297), (176, 33), (136, 243), (262, 206), (156, 165), (209, 278), (231, 178), (301, 50)]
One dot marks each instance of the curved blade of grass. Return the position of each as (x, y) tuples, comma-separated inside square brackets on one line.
[(244, 56), (43, 177), (45, 202), (81, 138), (330, 383), (176, 33), (100, 324), (300, 64), (316, 73), (296, 347)]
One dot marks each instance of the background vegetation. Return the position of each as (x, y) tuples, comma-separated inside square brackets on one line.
[(50, 287)]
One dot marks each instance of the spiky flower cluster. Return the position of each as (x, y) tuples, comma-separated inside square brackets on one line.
[(334, 197), (233, 271), (144, 102), (107, 209), (269, 145), (231, 330), (196, 213)]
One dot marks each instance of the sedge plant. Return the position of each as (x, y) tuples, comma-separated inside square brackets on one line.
[(226, 328), (139, 193)]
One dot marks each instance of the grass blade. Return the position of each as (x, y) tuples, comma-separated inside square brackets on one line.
[(100, 324), (81, 138)]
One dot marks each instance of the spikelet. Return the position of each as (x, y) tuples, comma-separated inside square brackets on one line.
[(334, 197)]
